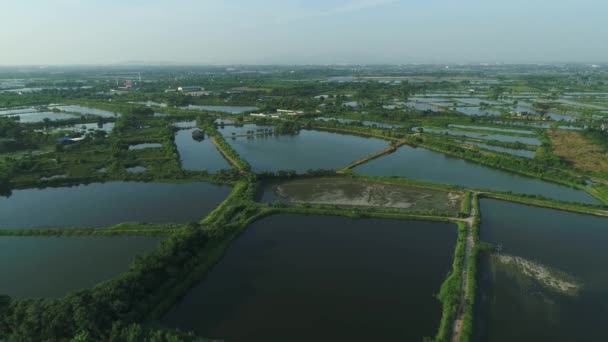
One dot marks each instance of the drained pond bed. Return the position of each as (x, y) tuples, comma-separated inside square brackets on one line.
[(357, 192)]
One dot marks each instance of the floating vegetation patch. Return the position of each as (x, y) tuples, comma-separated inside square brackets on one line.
[(549, 278)]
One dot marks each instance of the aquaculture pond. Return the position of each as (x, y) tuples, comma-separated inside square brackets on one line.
[(230, 130), (534, 124), (307, 150), (105, 204), (548, 115), (549, 281), (477, 111), (19, 110), (364, 123), (144, 146), (185, 124), (150, 103), (304, 278), (198, 155), (486, 128), (225, 109), (54, 266), (137, 169), (346, 191), (476, 101), (108, 127), (422, 106), (426, 165), (484, 136), (40, 116), (512, 151), (87, 110)]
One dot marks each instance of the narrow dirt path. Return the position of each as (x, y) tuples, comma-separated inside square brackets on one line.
[(386, 150), (469, 244), (226, 155)]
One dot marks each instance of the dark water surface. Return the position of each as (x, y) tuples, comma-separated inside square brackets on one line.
[(430, 166), (199, 155), (105, 204), (512, 307), (322, 278), (53, 266), (306, 150)]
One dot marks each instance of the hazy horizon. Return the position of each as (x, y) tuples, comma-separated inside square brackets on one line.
[(290, 32)]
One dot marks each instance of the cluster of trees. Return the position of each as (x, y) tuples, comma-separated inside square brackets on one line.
[(286, 127)]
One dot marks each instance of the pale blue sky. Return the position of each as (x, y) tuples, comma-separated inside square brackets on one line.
[(302, 32)]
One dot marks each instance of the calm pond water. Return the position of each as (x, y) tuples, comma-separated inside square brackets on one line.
[(485, 136), (20, 110), (485, 128), (88, 110), (198, 155), (144, 146), (477, 111), (364, 123), (303, 278), (515, 307), (476, 101), (513, 151), (137, 169), (54, 266), (534, 124), (225, 109), (185, 124), (307, 150), (40, 116), (422, 106), (150, 103), (105, 204), (553, 116), (228, 130), (426, 165)]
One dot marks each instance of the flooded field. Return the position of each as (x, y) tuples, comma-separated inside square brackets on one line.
[(360, 192), (361, 283)]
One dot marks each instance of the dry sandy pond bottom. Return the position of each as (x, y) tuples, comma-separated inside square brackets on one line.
[(360, 192)]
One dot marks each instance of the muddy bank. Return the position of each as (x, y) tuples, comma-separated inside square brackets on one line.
[(361, 193)]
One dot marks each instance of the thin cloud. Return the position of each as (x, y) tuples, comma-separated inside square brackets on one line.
[(349, 7), (355, 6)]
